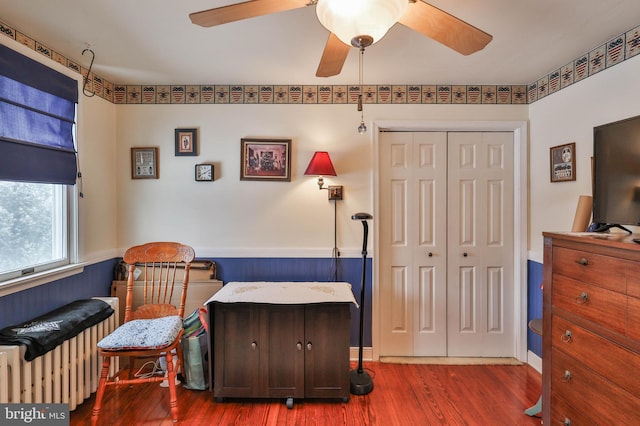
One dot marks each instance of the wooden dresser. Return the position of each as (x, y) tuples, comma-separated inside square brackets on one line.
[(591, 330)]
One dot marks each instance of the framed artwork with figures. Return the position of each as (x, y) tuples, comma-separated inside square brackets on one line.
[(563, 162), (186, 142), (265, 159), (144, 163)]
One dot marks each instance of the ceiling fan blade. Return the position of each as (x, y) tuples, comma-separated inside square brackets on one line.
[(333, 57), (444, 28), (248, 9)]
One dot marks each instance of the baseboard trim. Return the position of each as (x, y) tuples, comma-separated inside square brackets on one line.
[(367, 354), (443, 360), (534, 361)]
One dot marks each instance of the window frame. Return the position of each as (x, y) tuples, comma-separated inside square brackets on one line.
[(61, 268)]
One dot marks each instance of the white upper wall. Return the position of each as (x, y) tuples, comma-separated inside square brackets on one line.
[(97, 164), (569, 116), (229, 217)]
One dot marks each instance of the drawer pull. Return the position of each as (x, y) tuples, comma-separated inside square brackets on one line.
[(567, 421), (566, 337), (567, 377), (583, 298), (254, 345), (309, 346), (299, 346), (583, 262)]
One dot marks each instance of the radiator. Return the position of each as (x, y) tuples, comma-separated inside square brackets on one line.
[(68, 374)]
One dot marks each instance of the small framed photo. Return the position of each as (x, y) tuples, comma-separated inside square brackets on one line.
[(144, 163), (204, 173), (563, 162), (265, 159), (186, 142)]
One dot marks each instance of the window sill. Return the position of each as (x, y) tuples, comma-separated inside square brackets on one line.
[(19, 284)]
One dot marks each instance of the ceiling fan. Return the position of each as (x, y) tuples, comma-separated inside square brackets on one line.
[(358, 27)]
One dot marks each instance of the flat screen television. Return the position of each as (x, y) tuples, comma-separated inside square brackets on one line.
[(616, 175)]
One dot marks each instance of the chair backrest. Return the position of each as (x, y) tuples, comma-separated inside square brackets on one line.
[(161, 266)]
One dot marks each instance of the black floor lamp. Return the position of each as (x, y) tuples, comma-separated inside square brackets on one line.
[(361, 383)]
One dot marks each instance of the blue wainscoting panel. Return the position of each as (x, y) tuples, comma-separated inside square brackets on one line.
[(534, 308), (18, 307), (96, 281), (305, 269)]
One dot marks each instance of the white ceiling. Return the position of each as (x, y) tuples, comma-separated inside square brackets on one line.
[(154, 42)]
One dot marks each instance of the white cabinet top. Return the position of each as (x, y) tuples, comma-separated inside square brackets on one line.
[(284, 293)]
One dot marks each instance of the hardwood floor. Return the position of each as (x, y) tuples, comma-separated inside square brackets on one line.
[(403, 394)]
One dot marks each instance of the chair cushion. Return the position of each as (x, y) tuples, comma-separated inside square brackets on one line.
[(143, 334)]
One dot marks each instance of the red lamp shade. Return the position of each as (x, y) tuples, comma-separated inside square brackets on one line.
[(320, 165)]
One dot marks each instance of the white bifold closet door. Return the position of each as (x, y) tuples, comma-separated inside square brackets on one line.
[(446, 244)]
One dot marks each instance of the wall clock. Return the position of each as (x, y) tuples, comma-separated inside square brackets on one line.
[(204, 172)]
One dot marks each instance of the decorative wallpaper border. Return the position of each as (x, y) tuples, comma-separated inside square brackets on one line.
[(321, 94), (613, 52)]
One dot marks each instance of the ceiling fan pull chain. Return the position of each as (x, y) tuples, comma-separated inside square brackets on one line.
[(362, 128)]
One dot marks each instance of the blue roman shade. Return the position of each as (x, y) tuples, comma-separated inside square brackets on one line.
[(37, 119)]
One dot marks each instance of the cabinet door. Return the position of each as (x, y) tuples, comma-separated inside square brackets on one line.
[(327, 350), (282, 351), (236, 361)]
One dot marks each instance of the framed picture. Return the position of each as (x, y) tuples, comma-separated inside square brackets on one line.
[(265, 159), (563, 162), (204, 172), (144, 163), (186, 142)]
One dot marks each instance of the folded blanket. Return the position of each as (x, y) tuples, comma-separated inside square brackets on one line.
[(44, 333)]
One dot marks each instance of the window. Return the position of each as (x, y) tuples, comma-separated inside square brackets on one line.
[(33, 227), (37, 166)]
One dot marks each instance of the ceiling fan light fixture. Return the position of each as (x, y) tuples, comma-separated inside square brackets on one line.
[(349, 19)]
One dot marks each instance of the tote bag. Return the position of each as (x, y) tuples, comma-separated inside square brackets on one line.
[(195, 351)]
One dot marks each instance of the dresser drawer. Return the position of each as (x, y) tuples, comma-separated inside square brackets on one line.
[(633, 318), (619, 365), (607, 308), (633, 279), (588, 392), (562, 412), (596, 269)]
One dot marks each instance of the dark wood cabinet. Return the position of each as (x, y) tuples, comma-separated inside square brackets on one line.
[(327, 350), (236, 357), (273, 351), (591, 318)]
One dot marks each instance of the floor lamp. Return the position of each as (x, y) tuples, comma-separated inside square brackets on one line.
[(361, 383), (321, 165)]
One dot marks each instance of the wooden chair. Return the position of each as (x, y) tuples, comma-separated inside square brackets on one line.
[(154, 329)]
